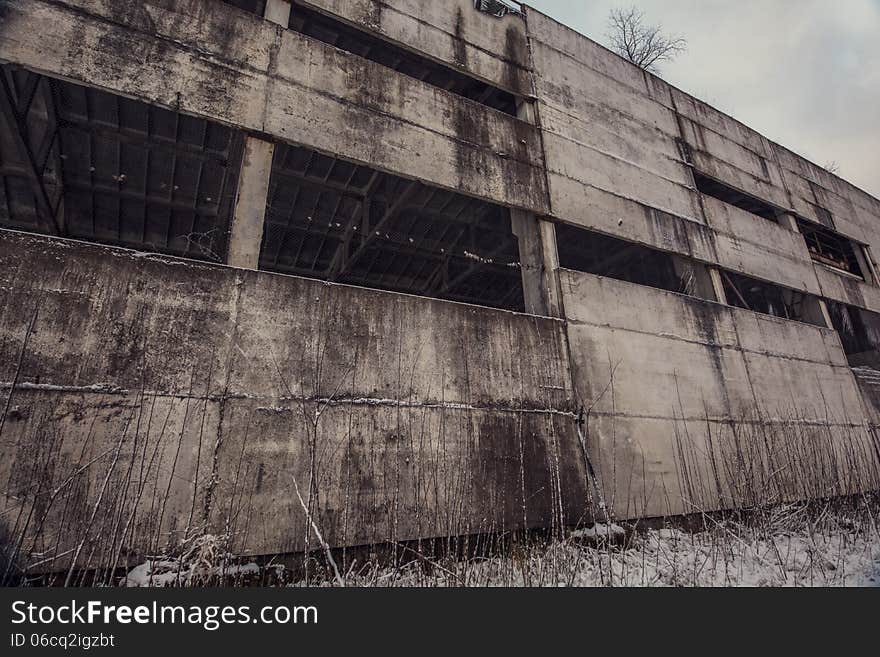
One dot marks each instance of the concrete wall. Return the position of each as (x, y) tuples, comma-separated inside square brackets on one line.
[(612, 135), (666, 375), (207, 58), (193, 391), (451, 32), (154, 396)]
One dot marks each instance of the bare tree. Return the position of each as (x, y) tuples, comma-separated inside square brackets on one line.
[(644, 45)]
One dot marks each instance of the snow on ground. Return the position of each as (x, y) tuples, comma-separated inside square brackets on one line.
[(790, 548), (726, 556), (162, 573)]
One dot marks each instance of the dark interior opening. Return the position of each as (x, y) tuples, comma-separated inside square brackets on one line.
[(593, 253), (82, 163), (859, 332), (254, 6), (731, 196), (830, 248), (768, 299), (337, 221), (345, 37)]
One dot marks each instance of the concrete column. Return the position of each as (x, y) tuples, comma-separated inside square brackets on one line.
[(278, 11), (249, 216), (551, 268), (789, 221), (531, 258), (246, 235), (537, 248), (823, 307), (540, 263), (718, 285)]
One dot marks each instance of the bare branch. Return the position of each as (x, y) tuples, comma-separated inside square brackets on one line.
[(644, 45), (833, 167)]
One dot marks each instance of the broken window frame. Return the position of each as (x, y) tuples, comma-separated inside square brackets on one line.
[(257, 7), (831, 249), (498, 8), (859, 332)]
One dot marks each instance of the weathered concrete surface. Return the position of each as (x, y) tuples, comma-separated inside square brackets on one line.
[(612, 136), (450, 32), (600, 134), (760, 249), (246, 232), (210, 390), (660, 371), (156, 398), (848, 289), (205, 58)]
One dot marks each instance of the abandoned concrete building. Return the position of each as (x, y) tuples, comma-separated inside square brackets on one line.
[(397, 269)]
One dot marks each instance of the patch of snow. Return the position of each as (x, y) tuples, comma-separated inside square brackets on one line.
[(600, 531)]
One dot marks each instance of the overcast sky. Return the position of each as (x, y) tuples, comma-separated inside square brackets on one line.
[(804, 73)]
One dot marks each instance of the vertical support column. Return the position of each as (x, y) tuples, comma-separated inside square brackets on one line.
[(718, 285), (789, 221), (537, 249), (249, 215), (277, 11), (551, 268), (539, 261), (823, 307), (246, 235)]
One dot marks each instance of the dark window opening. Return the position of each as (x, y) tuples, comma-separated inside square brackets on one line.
[(859, 332), (254, 6), (731, 196), (830, 248), (336, 221), (768, 299), (341, 35), (593, 253), (81, 163)]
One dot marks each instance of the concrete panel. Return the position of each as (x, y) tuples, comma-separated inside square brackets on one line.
[(365, 344), (594, 169), (847, 289), (100, 479), (251, 73), (570, 44), (813, 201), (384, 473), (720, 123), (108, 318), (744, 181), (422, 417), (804, 391), (719, 147), (827, 180), (623, 137), (665, 375), (451, 32), (759, 248)]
